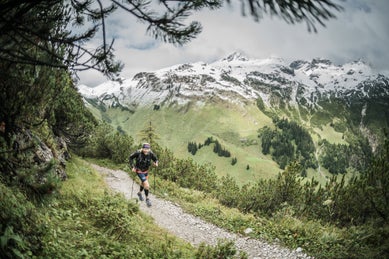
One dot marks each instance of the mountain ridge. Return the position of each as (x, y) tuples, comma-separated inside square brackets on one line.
[(237, 79)]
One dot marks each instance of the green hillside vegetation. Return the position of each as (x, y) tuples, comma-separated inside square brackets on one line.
[(234, 126), (240, 130), (329, 133), (333, 220), (377, 114), (329, 220), (85, 219)]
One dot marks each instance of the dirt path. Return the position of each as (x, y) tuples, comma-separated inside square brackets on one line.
[(188, 227)]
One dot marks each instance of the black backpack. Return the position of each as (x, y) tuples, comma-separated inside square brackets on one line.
[(144, 161)]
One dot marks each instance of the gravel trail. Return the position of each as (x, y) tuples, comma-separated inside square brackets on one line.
[(192, 229)]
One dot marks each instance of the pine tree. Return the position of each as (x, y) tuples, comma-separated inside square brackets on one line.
[(192, 148), (217, 147), (148, 134), (208, 141), (234, 161)]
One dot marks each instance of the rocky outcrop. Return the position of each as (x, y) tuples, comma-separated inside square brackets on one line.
[(29, 148)]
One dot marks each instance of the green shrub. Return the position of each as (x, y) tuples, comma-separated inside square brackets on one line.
[(228, 191), (222, 250), (106, 142), (113, 213), (88, 221), (21, 228)]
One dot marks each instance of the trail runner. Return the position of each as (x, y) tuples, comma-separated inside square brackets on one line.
[(140, 162)]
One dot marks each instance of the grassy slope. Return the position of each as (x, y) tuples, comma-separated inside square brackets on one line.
[(87, 220), (234, 126)]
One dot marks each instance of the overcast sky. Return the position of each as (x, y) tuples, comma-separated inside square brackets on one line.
[(361, 31)]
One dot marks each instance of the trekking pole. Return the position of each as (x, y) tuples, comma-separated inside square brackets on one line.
[(155, 172), (132, 187)]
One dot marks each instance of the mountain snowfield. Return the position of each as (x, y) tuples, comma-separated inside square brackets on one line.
[(237, 79)]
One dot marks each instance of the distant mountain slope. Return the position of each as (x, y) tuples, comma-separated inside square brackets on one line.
[(234, 97)]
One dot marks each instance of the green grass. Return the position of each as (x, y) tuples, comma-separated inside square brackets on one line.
[(317, 239), (86, 220), (94, 110), (329, 133), (230, 124), (235, 127)]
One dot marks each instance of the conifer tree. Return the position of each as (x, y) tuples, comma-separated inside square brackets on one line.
[(234, 161), (148, 134), (192, 148), (375, 182)]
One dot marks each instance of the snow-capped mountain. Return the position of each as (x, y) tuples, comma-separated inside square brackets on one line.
[(237, 78)]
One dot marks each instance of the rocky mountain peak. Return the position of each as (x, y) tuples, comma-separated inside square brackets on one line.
[(321, 61), (235, 56), (238, 79), (297, 64)]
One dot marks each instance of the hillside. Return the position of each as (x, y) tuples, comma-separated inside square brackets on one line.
[(235, 98)]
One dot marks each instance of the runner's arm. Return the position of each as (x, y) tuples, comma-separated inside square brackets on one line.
[(154, 158), (131, 159)]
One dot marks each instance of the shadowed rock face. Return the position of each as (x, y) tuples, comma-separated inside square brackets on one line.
[(40, 154)]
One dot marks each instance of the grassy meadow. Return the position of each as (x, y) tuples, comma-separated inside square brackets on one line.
[(234, 126)]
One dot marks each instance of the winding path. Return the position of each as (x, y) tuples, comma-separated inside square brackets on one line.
[(190, 228)]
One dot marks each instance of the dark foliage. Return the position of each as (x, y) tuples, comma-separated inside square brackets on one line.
[(192, 148), (337, 158), (234, 161), (291, 142), (217, 148)]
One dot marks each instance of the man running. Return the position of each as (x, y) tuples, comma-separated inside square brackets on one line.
[(143, 158)]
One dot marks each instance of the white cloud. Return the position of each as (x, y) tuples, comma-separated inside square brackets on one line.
[(361, 31)]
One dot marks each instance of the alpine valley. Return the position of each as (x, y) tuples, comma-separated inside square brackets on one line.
[(252, 117)]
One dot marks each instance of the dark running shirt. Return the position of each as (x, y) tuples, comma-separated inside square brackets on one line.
[(142, 161)]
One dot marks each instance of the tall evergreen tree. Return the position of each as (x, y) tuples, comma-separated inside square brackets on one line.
[(192, 148), (148, 134)]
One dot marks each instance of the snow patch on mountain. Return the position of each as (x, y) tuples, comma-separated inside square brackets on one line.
[(237, 78)]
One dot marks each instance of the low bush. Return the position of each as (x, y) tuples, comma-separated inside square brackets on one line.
[(21, 227)]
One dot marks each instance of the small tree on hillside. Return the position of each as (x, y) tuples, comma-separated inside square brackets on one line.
[(148, 134), (234, 161), (192, 148)]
